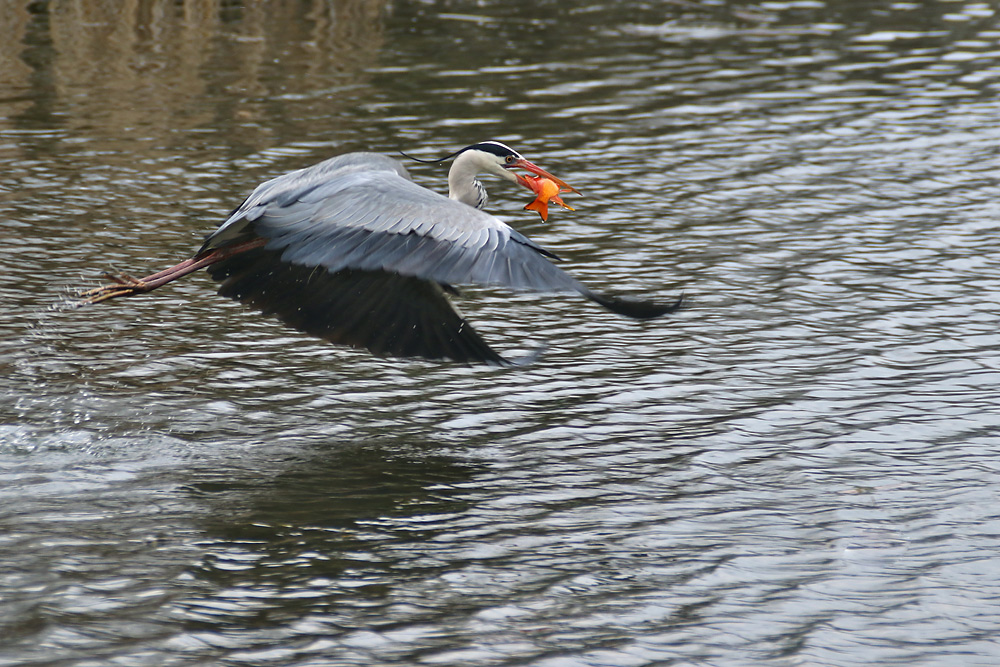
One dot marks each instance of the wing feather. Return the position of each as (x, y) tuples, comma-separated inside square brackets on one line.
[(367, 218), (388, 314)]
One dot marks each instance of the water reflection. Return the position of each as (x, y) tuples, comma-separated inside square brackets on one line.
[(304, 533), (151, 71)]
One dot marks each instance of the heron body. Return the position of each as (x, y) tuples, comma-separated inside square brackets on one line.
[(353, 251)]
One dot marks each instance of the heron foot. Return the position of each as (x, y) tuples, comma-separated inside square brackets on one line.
[(123, 285), (123, 278)]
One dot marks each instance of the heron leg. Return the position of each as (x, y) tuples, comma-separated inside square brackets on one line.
[(125, 285)]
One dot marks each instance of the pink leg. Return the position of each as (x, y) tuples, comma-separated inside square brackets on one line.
[(126, 285)]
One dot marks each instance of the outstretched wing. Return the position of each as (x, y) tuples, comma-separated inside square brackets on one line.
[(389, 314), (361, 211)]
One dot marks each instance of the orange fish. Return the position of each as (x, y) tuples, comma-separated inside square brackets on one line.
[(545, 190)]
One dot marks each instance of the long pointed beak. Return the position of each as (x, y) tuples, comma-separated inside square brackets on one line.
[(535, 169)]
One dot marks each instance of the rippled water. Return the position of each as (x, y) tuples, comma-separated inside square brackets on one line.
[(799, 468)]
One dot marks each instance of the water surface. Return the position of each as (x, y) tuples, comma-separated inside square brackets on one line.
[(799, 468)]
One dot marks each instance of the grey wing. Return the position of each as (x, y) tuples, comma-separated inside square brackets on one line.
[(376, 219), (357, 254)]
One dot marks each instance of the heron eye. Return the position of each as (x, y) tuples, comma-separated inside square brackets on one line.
[(510, 159)]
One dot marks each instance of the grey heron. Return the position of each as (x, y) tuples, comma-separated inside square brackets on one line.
[(353, 251)]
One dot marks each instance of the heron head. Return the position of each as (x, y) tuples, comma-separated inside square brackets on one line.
[(500, 159)]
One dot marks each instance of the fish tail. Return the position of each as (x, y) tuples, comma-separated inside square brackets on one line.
[(541, 207)]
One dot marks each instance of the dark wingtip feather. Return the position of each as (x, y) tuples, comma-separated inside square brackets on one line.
[(635, 308)]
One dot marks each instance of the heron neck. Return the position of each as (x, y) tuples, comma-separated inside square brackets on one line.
[(463, 185)]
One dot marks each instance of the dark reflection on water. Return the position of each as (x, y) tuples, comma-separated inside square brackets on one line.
[(799, 468)]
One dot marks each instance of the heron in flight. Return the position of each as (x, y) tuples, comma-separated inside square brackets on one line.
[(353, 251)]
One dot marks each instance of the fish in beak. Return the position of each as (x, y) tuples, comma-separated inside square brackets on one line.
[(546, 189), (538, 171)]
